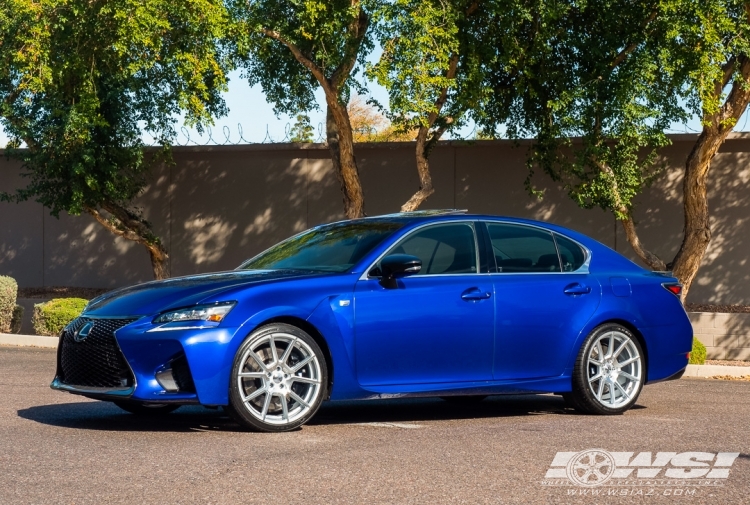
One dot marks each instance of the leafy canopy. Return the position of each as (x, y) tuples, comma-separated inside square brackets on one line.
[(318, 28), (80, 80)]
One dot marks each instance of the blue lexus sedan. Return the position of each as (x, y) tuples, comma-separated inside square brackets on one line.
[(432, 303)]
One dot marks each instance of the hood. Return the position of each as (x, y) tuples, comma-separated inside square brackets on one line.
[(157, 296)]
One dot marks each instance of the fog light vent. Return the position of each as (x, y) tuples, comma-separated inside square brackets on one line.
[(166, 379)]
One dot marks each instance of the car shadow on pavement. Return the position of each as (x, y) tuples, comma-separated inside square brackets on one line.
[(95, 415)]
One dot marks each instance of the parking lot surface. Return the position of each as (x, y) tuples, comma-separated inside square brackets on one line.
[(57, 448)]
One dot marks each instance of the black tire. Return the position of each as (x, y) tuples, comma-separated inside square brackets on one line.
[(245, 411), (464, 399), (147, 409), (582, 398)]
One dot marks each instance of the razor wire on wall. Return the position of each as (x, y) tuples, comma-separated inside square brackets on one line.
[(228, 137)]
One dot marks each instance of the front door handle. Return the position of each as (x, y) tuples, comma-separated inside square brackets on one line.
[(577, 289), (475, 294)]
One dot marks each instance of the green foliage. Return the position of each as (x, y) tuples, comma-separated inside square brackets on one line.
[(80, 80), (324, 31), (51, 317), (17, 319), (302, 130), (600, 70), (433, 49), (8, 294), (698, 354)]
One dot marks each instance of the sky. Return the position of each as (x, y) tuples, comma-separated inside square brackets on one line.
[(250, 114)]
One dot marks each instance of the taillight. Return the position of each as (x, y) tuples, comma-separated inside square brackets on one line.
[(674, 288)]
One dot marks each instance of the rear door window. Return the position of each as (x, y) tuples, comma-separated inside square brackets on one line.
[(523, 249)]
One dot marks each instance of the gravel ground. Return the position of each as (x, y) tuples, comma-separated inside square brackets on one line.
[(56, 448)]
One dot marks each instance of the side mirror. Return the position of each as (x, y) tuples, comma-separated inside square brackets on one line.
[(398, 265)]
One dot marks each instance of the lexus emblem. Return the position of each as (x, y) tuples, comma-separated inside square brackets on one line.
[(81, 334)]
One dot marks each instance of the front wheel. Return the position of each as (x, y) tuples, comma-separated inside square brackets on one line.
[(608, 375), (279, 379)]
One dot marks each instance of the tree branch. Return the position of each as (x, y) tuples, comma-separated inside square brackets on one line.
[(622, 55), (304, 60), (358, 27)]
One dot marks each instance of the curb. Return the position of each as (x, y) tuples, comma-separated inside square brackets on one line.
[(28, 340), (713, 370)]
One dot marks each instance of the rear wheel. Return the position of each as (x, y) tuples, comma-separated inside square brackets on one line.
[(279, 379), (608, 375), (147, 409)]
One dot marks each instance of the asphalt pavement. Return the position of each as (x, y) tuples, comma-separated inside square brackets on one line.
[(57, 448)]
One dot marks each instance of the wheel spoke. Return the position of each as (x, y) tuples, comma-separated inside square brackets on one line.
[(611, 393), (619, 349), (600, 351), (297, 399), (597, 376), (274, 353), (258, 360), (629, 361), (302, 363), (306, 380), (622, 390), (284, 408), (628, 376), (288, 351), (266, 404), (254, 375), (611, 346), (600, 392), (254, 394), (593, 362)]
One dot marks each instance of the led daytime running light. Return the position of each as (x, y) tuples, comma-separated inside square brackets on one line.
[(214, 313)]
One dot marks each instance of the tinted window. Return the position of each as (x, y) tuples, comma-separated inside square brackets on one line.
[(571, 254), (443, 249), (523, 249), (332, 248)]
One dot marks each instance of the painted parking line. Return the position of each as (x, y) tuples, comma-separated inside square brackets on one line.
[(391, 425)]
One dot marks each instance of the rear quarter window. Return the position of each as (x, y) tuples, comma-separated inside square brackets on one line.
[(571, 254)]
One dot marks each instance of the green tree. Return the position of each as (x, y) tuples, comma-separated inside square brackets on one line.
[(81, 80), (435, 54), (302, 130), (290, 47), (617, 74)]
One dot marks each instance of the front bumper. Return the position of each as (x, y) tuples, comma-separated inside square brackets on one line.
[(208, 353)]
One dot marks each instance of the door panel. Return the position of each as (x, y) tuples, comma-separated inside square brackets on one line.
[(538, 321), (432, 329)]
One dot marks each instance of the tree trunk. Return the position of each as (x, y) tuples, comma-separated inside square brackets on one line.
[(130, 226), (341, 146), (423, 169)]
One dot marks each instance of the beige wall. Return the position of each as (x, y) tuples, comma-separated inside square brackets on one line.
[(218, 205)]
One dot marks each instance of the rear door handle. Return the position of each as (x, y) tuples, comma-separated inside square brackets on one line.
[(577, 289), (475, 294)]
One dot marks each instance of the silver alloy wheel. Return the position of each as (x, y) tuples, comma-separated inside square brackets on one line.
[(279, 378), (614, 369)]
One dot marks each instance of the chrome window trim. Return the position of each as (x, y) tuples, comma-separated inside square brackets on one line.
[(583, 269), (471, 222)]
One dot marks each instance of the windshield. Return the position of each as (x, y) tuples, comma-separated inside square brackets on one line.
[(330, 248)]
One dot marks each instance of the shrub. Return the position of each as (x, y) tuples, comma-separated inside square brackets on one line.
[(698, 354), (17, 319), (8, 293), (51, 317)]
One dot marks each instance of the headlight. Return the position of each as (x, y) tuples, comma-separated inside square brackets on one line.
[(215, 312)]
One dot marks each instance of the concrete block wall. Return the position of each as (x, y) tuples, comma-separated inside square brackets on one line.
[(726, 336)]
